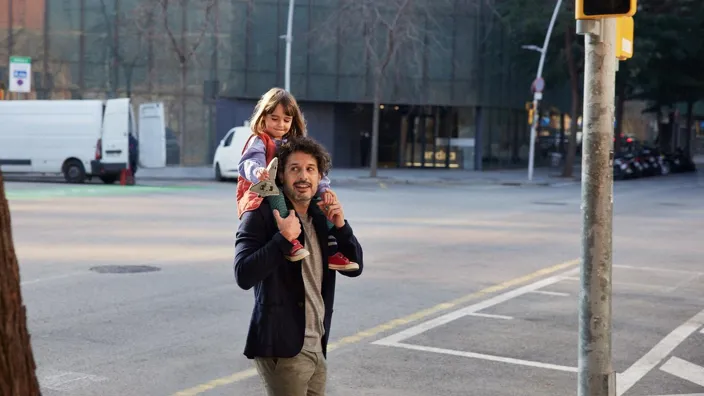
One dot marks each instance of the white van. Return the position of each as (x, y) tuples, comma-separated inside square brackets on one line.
[(80, 139), (229, 152)]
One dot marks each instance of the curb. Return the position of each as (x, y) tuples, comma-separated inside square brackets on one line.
[(393, 181), (446, 182), (551, 181)]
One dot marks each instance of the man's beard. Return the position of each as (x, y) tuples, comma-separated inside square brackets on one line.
[(300, 197)]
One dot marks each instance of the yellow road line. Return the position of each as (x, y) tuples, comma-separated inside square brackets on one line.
[(242, 375)]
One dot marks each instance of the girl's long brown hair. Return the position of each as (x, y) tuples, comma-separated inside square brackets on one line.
[(268, 103)]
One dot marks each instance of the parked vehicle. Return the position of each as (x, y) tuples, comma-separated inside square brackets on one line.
[(80, 139), (646, 161), (624, 167), (229, 151), (680, 162)]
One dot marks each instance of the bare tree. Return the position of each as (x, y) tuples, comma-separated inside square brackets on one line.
[(17, 367), (129, 33), (185, 46), (393, 32)]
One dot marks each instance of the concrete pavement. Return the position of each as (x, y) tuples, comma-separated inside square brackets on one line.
[(467, 290)]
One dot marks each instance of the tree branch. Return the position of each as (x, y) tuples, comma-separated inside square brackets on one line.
[(206, 20), (170, 34)]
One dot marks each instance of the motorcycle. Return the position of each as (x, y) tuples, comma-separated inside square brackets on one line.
[(680, 162)]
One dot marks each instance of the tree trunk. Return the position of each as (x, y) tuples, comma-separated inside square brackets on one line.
[(116, 60), (17, 367), (150, 55), (376, 117), (620, 104), (568, 169), (183, 60), (661, 137), (182, 115), (690, 123), (128, 80)]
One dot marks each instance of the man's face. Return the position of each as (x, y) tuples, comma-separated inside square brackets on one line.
[(301, 177)]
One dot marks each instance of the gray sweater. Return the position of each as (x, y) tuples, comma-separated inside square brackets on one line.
[(313, 267)]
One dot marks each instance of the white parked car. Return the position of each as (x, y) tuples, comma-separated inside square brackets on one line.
[(229, 152)]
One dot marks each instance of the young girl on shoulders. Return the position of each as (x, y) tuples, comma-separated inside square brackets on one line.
[(277, 118)]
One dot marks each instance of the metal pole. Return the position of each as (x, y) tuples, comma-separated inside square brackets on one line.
[(596, 376), (289, 39), (537, 96)]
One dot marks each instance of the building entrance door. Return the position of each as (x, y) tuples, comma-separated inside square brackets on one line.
[(425, 136)]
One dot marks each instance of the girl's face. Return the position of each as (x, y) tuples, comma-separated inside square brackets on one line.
[(277, 124)]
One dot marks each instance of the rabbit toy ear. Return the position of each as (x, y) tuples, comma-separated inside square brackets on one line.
[(272, 168)]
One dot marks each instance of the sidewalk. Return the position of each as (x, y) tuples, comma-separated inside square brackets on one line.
[(515, 177)]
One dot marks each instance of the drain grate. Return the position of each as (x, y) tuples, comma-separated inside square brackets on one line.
[(124, 269)]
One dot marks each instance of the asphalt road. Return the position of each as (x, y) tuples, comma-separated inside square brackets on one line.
[(467, 290)]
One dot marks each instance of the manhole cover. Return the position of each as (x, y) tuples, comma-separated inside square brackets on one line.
[(550, 203), (124, 269)]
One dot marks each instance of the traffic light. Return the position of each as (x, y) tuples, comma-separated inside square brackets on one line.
[(597, 9), (624, 38)]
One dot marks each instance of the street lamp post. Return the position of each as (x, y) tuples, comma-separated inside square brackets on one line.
[(537, 95), (289, 38)]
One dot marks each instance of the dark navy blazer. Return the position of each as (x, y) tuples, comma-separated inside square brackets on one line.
[(277, 327)]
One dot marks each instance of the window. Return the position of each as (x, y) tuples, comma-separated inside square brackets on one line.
[(228, 139), (131, 121)]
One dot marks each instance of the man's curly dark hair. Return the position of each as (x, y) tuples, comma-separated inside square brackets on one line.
[(306, 145)]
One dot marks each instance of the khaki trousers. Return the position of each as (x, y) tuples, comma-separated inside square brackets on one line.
[(302, 375)]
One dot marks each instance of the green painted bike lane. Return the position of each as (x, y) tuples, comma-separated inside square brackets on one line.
[(91, 191)]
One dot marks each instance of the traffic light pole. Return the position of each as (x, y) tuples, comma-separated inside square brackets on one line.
[(596, 376)]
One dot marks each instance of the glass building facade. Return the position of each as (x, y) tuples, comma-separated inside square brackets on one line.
[(453, 95)]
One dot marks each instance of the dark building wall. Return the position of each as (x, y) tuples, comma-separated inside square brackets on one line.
[(320, 119), (463, 58), (231, 113), (350, 121), (335, 126)]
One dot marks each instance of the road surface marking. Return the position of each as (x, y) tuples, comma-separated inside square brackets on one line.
[(242, 375), (50, 278), (682, 394), (550, 293), (632, 284), (482, 356), (490, 316), (654, 269), (454, 315), (685, 370), (640, 368), (67, 381), (230, 379)]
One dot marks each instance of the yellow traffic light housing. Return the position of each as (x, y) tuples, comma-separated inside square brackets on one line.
[(624, 38), (597, 9), (529, 109)]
